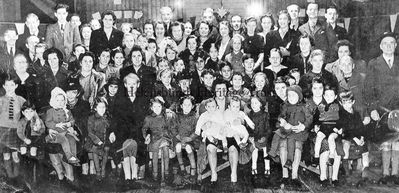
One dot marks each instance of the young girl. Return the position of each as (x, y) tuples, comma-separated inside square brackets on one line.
[(184, 132), (97, 126), (163, 64), (235, 57), (73, 61), (171, 53), (212, 62), (128, 43), (60, 119), (157, 135), (118, 56), (261, 88), (30, 129), (178, 66), (167, 89), (261, 133)]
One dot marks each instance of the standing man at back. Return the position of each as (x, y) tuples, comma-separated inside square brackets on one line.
[(62, 35)]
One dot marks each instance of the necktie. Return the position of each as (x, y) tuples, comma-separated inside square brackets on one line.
[(11, 109), (12, 51), (389, 63), (62, 28)]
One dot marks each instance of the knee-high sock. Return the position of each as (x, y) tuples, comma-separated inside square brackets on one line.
[(8, 167), (254, 158), (134, 167), (192, 163), (267, 161), (395, 162), (337, 161), (323, 165), (126, 168), (386, 160)]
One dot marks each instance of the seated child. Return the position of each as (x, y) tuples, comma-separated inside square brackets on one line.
[(30, 129), (60, 120), (353, 130), (328, 117)]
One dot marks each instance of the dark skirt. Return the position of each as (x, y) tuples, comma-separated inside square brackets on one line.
[(9, 140)]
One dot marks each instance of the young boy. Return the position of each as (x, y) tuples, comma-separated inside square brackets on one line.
[(353, 131), (238, 89), (293, 116), (328, 117), (248, 62), (212, 62), (10, 113)]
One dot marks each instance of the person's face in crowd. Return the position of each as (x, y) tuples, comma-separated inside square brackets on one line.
[(105, 58), (188, 28), (60, 101), (112, 89), (235, 106), (236, 22), (200, 64), (211, 106), (220, 90), (203, 30), (237, 81), (156, 108), (170, 54), (192, 44), (87, 63), (317, 89), (108, 21), (275, 58), (249, 64), (296, 76), (207, 17), (10, 86), (31, 43), (118, 59), (28, 113), (142, 42), (255, 104), (86, 33), (293, 10), (159, 30), (95, 24), (187, 106), (305, 45), (346, 65), (347, 104), (149, 30), (129, 41), (213, 52), (32, 23), (179, 66), (226, 72), (126, 28), (152, 48), (281, 90), (331, 15), (292, 97), (236, 44), (329, 96), (266, 24), (166, 78), (312, 10), (39, 52), (388, 45), (11, 37), (131, 85), (53, 61), (20, 64), (72, 95), (101, 108), (317, 63), (162, 65), (75, 20), (177, 32), (79, 50), (343, 51), (61, 15), (184, 84), (224, 30), (166, 15), (251, 26), (283, 20), (208, 80), (259, 82)]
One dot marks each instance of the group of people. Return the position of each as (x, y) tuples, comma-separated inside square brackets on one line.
[(91, 95)]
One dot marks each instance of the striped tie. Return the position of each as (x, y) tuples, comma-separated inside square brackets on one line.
[(11, 109)]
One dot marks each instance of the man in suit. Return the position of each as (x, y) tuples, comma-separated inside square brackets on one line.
[(236, 24), (334, 32), (31, 26), (300, 60), (314, 28), (166, 16), (382, 83), (107, 36), (30, 45), (8, 50), (62, 35), (293, 10)]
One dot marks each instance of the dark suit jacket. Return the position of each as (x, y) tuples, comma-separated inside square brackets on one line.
[(6, 60), (274, 40), (333, 35), (63, 42), (382, 84), (319, 35), (297, 61), (146, 74), (21, 41), (99, 40)]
